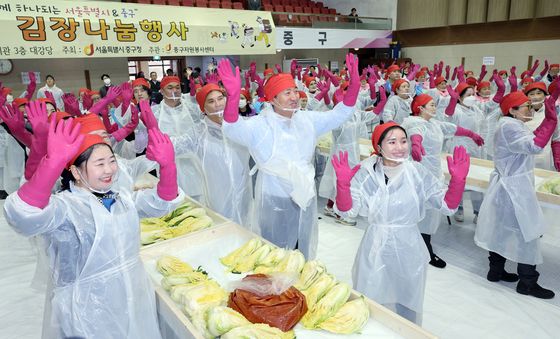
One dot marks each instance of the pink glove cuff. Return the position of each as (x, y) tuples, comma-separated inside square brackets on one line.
[(454, 192), (343, 196), (37, 191), (167, 188)]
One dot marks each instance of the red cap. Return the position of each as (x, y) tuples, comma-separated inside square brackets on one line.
[(390, 70), (472, 81), (555, 66), (535, 85), (203, 93), (439, 80), (140, 82), (524, 74), (6, 91), (83, 90), (90, 122), (308, 81), (513, 99), (419, 101), (246, 94), (344, 85), (169, 79), (502, 72), (527, 81), (92, 93), (47, 100), (462, 87), (302, 95), (89, 140), (482, 84), (377, 132), (420, 74), (20, 101), (58, 115), (268, 71), (278, 83), (397, 84), (424, 69)]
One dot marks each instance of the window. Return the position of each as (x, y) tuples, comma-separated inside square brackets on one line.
[(132, 69), (159, 66)]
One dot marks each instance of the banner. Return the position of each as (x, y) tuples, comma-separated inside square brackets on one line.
[(74, 29), (306, 38)]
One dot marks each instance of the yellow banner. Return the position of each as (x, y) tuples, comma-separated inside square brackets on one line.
[(74, 29)]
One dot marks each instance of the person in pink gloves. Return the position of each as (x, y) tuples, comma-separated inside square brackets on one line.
[(511, 222), (394, 194), (426, 135), (282, 142), (90, 235)]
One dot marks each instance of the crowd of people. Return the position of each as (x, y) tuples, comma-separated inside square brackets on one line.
[(70, 162)]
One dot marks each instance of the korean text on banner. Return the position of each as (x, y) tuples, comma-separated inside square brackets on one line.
[(79, 29)]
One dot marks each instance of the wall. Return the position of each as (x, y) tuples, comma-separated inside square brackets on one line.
[(371, 8), (69, 73), (324, 55), (506, 54)]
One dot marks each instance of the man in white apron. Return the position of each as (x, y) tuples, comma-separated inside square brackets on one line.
[(282, 142)]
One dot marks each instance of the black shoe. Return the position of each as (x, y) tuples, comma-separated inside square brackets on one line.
[(535, 290), (438, 262), (504, 276)]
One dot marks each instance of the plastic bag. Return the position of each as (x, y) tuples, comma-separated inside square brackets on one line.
[(275, 284), (252, 299)]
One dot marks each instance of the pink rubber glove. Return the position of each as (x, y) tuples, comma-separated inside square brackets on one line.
[(545, 69), (298, 72), (339, 95), (432, 80), (160, 149), (112, 94), (534, 68), (71, 104), (232, 84), (458, 169), (64, 141), (372, 80), (253, 70), (107, 122), (247, 81), (461, 74), (482, 73), (126, 93), (512, 80), (410, 76), (192, 89), (31, 86), (450, 109), (354, 86), (260, 83), (548, 125), (16, 124), (278, 68), (86, 101), (382, 101), (38, 118), (556, 154), (447, 70), (332, 77), (49, 96), (454, 76), (148, 118), (126, 130), (417, 150), (463, 132), (324, 91), (293, 68), (344, 175), (440, 68), (499, 96)]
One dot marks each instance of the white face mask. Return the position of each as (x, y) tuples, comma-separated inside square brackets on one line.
[(536, 103), (84, 181), (469, 101), (399, 160), (242, 103), (172, 97), (285, 109), (219, 113), (9, 98), (107, 81)]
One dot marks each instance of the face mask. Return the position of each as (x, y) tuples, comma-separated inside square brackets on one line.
[(242, 103), (189, 73), (84, 181), (407, 94), (9, 98), (172, 97), (485, 96), (107, 81), (399, 160), (537, 103), (469, 101), (219, 113), (285, 109)]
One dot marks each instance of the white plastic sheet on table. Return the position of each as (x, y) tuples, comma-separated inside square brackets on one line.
[(206, 247)]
